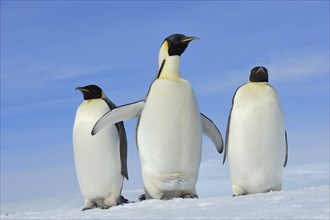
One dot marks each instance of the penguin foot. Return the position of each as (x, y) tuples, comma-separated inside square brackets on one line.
[(238, 191), (122, 200), (244, 194), (90, 207), (144, 196), (104, 207), (190, 196)]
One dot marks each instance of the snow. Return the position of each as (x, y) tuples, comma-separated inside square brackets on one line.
[(305, 195)]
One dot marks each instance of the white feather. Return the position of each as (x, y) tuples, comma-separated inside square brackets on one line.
[(97, 158), (121, 113), (169, 137), (210, 130), (256, 142)]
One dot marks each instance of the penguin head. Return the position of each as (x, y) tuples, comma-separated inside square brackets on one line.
[(177, 44), (259, 74), (91, 92), (174, 45)]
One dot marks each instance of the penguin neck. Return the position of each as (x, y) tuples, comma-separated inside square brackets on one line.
[(259, 83), (171, 68)]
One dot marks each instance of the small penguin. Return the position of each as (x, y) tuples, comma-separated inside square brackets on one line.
[(256, 140), (170, 127), (100, 160)]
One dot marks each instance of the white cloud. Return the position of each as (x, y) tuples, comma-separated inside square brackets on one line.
[(300, 65), (76, 71), (40, 74), (222, 81)]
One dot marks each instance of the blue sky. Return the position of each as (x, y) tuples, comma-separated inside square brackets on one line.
[(50, 47)]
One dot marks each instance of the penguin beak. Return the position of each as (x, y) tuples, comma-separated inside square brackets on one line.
[(260, 70), (188, 39), (82, 89)]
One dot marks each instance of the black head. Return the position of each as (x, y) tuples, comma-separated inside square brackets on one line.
[(259, 74), (91, 92), (177, 43)]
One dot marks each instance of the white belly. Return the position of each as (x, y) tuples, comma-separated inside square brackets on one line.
[(169, 136), (257, 139), (97, 157)]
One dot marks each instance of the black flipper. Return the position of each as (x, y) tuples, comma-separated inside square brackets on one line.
[(211, 130), (228, 126), (287, 150), (122, 141)]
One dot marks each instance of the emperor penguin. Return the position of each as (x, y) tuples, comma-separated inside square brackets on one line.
[(256, 139), (169, 129), (100, 160)]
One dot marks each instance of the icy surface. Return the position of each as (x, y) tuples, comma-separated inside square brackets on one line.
[(305, 195)]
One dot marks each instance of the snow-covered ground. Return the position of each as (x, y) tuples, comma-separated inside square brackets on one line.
[(305, 195)]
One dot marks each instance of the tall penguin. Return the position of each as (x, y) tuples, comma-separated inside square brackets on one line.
[(169, 129), (101, 160), (256, 140)]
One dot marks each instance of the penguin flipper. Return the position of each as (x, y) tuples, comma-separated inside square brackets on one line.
[(122, 113), (210, 130), (122, 148), (228, 127), (287, 150), (122, 140), (227, 137)]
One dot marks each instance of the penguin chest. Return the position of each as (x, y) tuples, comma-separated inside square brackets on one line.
[(96, 157), (256, 146), (169, 133)]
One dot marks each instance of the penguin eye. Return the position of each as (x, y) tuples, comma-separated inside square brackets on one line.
[(179, 40)]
